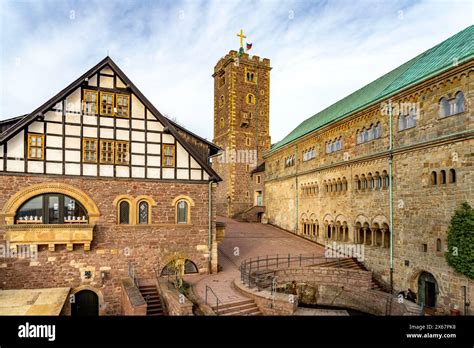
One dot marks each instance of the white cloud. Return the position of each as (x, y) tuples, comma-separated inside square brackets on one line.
[(324, 52)]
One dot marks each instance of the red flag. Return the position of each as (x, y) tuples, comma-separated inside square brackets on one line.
[(249, 46)]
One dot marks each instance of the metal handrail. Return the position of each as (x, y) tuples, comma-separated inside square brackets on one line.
[(217, 298), (250, 268)]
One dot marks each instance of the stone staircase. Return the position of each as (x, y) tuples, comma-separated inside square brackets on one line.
[(353, 263), (243, 308), (152, 298)]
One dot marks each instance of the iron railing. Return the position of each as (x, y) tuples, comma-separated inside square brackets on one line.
[(259, 271), (209, 289)]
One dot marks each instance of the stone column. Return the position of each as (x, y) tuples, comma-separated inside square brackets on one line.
[(365, 234)]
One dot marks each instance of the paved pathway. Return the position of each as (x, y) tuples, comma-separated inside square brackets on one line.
[(242, 241)]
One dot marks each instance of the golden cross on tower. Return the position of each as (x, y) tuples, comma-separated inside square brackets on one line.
[(242, 37)]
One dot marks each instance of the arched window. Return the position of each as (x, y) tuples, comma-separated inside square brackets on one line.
[(182, 212), (170, 269), (402, 122), (371, 133), (370, 181), (124, 213), (365, 135), (143, 213), (452, 176), (357, 182), (377, 131), (442, 179), (221, 101), (221, 122), (363, 182), (411, 121), (51, 208), (250, 98), (444, 107), (438, 244), (434, 178), (358, 137), (459, 103)]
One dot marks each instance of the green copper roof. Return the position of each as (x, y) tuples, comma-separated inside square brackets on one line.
[(455, 50)]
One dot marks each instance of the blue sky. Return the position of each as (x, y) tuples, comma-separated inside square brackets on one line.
[(320, 51)]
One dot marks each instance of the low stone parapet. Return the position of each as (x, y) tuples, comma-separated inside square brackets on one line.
[(132, 300), (175, 302)]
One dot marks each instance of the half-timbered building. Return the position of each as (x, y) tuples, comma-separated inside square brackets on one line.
[(97, 186)]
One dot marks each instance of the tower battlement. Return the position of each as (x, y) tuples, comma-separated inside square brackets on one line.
[(245, 58)]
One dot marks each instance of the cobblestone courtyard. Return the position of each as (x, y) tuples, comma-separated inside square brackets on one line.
[(242, 241)]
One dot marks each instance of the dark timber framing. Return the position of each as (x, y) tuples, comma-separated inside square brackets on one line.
[(22, 123)]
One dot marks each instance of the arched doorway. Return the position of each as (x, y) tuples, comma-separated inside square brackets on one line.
[(427, 290), (86, 303)]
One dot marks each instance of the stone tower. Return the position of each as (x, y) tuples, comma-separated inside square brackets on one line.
[(241, 127)]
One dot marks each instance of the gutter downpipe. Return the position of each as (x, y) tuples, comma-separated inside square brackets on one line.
[(209, 236), (296, 189), (390, 163)]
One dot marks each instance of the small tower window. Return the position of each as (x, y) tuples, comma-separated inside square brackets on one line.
[(221, 123), (221, 101), (250, 99)]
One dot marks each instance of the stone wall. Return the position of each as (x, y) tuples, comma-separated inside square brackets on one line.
[(175, 302), (132, 301), (114, 246), (339, 277), (309, 193)]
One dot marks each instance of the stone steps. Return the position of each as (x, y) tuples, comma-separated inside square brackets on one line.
[(245, 307), (152, 298)]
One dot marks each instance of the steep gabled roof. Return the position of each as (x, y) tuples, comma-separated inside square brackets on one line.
[(442, 57), (107, 61)]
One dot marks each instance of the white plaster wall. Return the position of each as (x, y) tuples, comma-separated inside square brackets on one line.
[(121, 123), (106, 170), (73, 156), (138, 110), (154, 161), (15, 146), (89, 132), (53, 116), (183, 174), (35, 167), (123, 134), (54, 168), (73, 169), (106, 82), (153, 173), (154, 149), (54, 141), (16, 166), (182, 156), (154, 125), (138, 160), (54, 155), (138, 147), (36, 127), (73, 130), (87, 119), (107, 121), (72, 143), (168, 139), (89, 169), (138, 172), (54, 128), (73, 101), (138, 136), (122, 172), (195, 174), (168, 173)]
